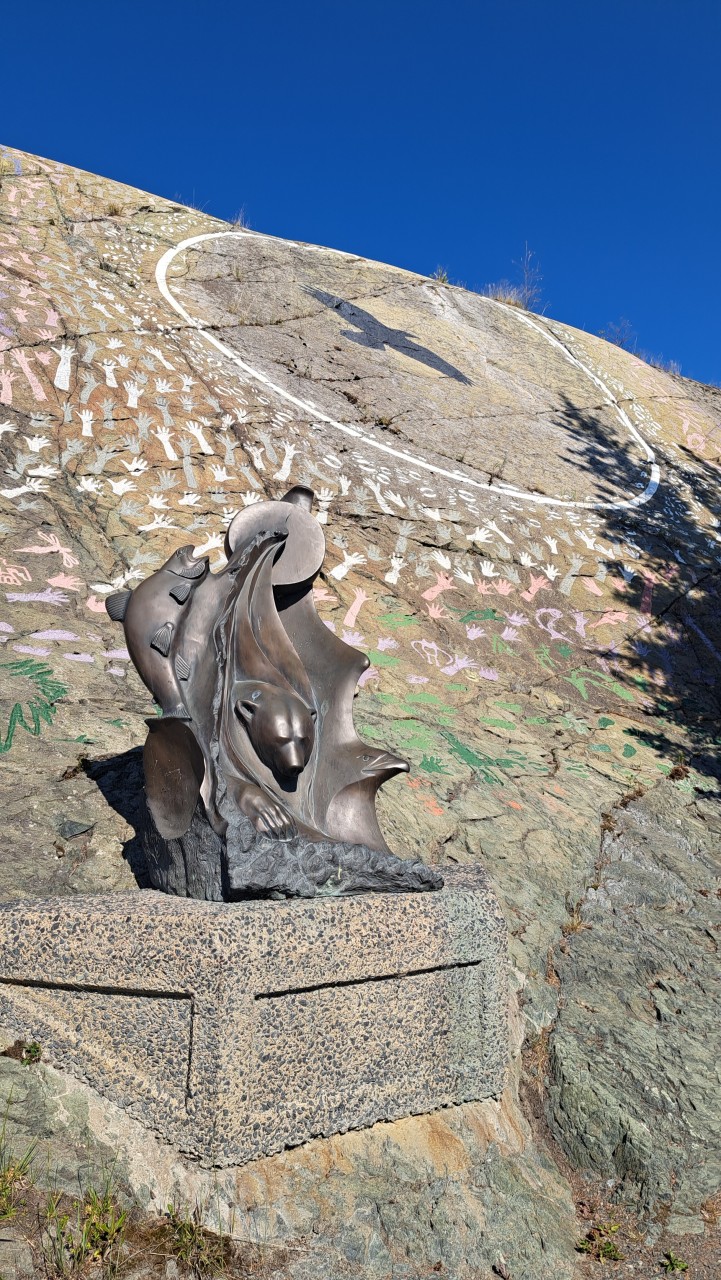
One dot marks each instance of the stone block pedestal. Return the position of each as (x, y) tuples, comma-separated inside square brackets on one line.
[(237, 1029)]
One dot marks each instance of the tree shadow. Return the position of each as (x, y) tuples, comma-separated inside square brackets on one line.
[(376, 336), (121, 781), (663, 570)]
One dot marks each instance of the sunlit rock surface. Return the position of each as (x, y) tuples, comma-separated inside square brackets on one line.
[(523, 532)]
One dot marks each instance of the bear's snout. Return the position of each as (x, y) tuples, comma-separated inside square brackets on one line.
[(291, 760)]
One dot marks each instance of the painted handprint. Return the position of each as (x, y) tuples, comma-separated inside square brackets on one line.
[(164, 435), (350, 561)]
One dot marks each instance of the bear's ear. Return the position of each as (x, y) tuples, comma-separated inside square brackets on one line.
[(246, 709)]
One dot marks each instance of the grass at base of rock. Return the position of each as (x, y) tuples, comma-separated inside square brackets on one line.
[(93, 1237)]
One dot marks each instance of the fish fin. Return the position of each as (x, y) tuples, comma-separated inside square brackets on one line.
[(161, 639), (182, 667), (181, 590), (116, 605)]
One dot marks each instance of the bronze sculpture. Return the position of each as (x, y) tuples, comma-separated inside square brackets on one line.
[(256, 780)]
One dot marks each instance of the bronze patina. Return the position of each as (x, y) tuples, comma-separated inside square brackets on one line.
[(256, 781)]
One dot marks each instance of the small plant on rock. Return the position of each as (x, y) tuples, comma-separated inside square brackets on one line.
[(32, 1053), (670, 1262), (575, 923), (599, 1243), (199, 1249), (14, 1172), (89, 1230)]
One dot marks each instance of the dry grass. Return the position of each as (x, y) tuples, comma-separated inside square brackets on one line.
[(634, 794), (95, 1237)]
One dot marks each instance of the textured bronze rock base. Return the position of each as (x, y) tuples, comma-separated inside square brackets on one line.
[(201, 864), (237, 1029)]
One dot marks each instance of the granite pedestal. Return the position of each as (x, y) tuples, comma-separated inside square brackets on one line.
[(235, 1030)]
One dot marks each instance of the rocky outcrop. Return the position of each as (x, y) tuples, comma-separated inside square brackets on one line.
[(522, 530), (458, 1192), (634, 1071)]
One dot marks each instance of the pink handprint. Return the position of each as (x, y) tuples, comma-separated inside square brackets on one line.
[(436, 611), (537, 584), (359, 599), (443, 583)]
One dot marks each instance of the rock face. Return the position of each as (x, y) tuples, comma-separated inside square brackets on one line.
[(463, 1187), (635, 1072), (522, 529)]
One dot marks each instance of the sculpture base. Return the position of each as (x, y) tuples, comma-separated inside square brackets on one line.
[(235, 1030), (202, 864)]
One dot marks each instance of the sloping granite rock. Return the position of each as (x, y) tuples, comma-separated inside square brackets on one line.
[(635, 1074), (523, 530)]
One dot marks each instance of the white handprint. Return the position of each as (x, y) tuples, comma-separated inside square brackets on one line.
[(289, 452), (248, 499), (36, 443), (325, 497), (163, 434), (215, 541), (44, 469), (158, 522), (109, 366), (479, 535), (350, 560), (220, 474), (441, 558), (588, 538), (121, 486), (86, 417), (504, 537), (375, 489), (155, 351), (32, 486), (134, 393), (62, 373), (136, 467), (196, 430), (189, 499), (89, 484), (488, 569), (158, 502)]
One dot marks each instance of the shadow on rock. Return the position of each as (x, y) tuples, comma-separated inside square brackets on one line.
[(371, 333), (665, 571), (121, 780)]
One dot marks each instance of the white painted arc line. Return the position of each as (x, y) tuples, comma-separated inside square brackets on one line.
[(313, 411)]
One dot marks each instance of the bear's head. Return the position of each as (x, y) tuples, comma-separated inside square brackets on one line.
[(280, 725)]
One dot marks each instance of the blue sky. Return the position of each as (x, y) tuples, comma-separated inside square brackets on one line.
[(420, 134)]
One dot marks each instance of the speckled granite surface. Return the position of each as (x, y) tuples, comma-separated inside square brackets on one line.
[(235, 1030)]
